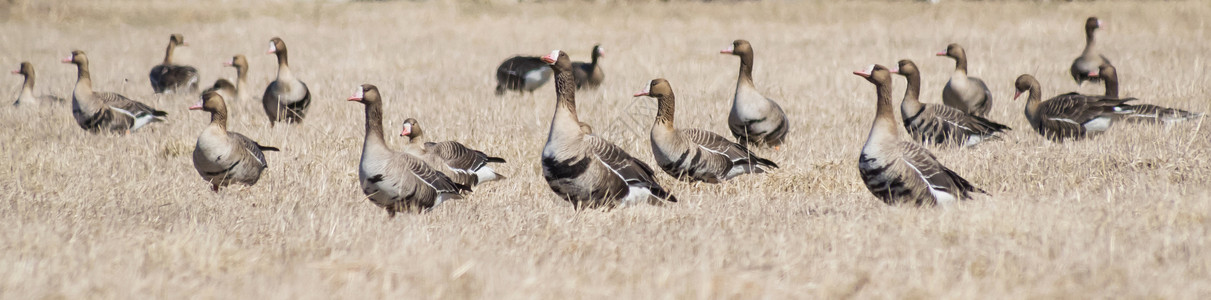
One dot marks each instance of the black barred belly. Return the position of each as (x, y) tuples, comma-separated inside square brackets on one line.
[(884, 185)]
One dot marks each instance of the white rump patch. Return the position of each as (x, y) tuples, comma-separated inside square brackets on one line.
[(485, 174), (636, 195), (1098, 125)]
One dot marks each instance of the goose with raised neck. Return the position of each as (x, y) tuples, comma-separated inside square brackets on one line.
[(98, 112), (286, 99), (1090, 58), (1140, 113), (753, 119), (241, 80), (521, 74), (939, 124), (965, 93), (462, 164), (169, 78), (224, 157), (26, 96), (589, 75), (1069, 116)]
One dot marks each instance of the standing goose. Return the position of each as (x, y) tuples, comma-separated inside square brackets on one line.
[(27, 88), (940, 124), (898, 171), (286, 99), (1068, 116), (103, 111), (393, 180), (1090, 58), (241, 80), (589, 75), (584, 169), (223, 157), (521, 73), (695, 154), (968, 94), (1146, 113), (169, 78), (754, 119), (463, 165)]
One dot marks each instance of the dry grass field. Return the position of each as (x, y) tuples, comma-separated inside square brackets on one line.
[(1123, 215)]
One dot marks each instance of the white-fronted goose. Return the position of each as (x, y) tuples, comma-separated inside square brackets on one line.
[(1068, 116), (241, 80), (463, 165), (225, 89), (1146, 113), (103, 111), (397, 181), (286, 99), (589, 75), (754, 119), (522, 74), (695, 154), (1090, 58), (27, 88), (898, 171), (584, 169), (223, 157), (940, 124), (170, 78), (966, 93)]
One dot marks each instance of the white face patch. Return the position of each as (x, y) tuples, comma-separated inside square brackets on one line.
[(600, 51), (407, 129), (273, 47), (647, 89), (730, 49), (358, 94), (869, 69)]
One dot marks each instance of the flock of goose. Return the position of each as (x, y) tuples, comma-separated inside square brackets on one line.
[(591, 172)]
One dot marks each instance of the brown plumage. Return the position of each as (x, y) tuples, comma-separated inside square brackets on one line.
[(1069, 116), (965, 93), (224, 88), (463, 165), (172, 78), (522, 74), (1140, 113), (223, 157), (106, 112), (695, 154), (898, 171), (589, 75), (27, 88), (754, 119), (940, 124), (1090, 58), (241, 80), (286, 99)]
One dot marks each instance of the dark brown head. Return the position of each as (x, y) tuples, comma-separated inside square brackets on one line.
[(1105, 72), (906, 67), (366, 94), (877, 74), (177, 39), (1023, 84), (1092, 24), (237, 61), (77, 57), (738, 48), (559, 61), (598, 51), (276, 46), (411, 129), (211, 102), (954, 51), (656, 89), (26, 69)]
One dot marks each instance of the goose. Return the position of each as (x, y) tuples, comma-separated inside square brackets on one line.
[(522, 74), (968, 94), (169, 78), (286, 98), (224, 157), (754, 119), (1145, 113), (1069, 116), (1090, 58), (940, 124), (392, 180), (225, 89), (103, 111), (898, 171), (589, 75), (587, 170), (241, 81), (695, 154), (27, 88), (463, 165)]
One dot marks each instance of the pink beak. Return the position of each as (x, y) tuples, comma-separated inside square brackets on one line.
[(16, 71), (548, 59), (895, 70), (68, 59), (406, 131), (725, 51), (197, 106), (1016, 94), (227, 63), (355, 98), (1093, 74), (942, 53), (640, 94), (862, 73)]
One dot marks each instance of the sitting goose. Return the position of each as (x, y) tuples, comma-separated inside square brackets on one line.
[(1068, 116), (695, 154), (463, 165), (940, 124), (589, 75), (103, 111), (898, 171), (584, 169), (225, 89), (754, 119), (522, 74), (397, 181), (27, 88), (1147, 113), (241, 79), (968, 94), (1090, 58), (286, 99), (223, 157), (169, 78)]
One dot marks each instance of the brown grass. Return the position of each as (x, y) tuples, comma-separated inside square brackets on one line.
[(1125, 215)]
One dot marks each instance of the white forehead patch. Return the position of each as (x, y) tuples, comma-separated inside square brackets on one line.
[(731, 48), (600, 50), (554, 54), (647, 89), (273, 47), (869, 69), (358, 93)]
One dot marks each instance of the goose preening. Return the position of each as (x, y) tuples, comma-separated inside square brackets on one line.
[(397, 181), (1146, 113), (695, 154), (27, 88), (522, 74), (968, 94), (589, 75), (103, 111), (223, 157), (1068, 116), (241, 80), (286, 99), (1090, 58), (170, 78), (584, 169), (754, 119), (463, 165), (898, 171), (939, 124)]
